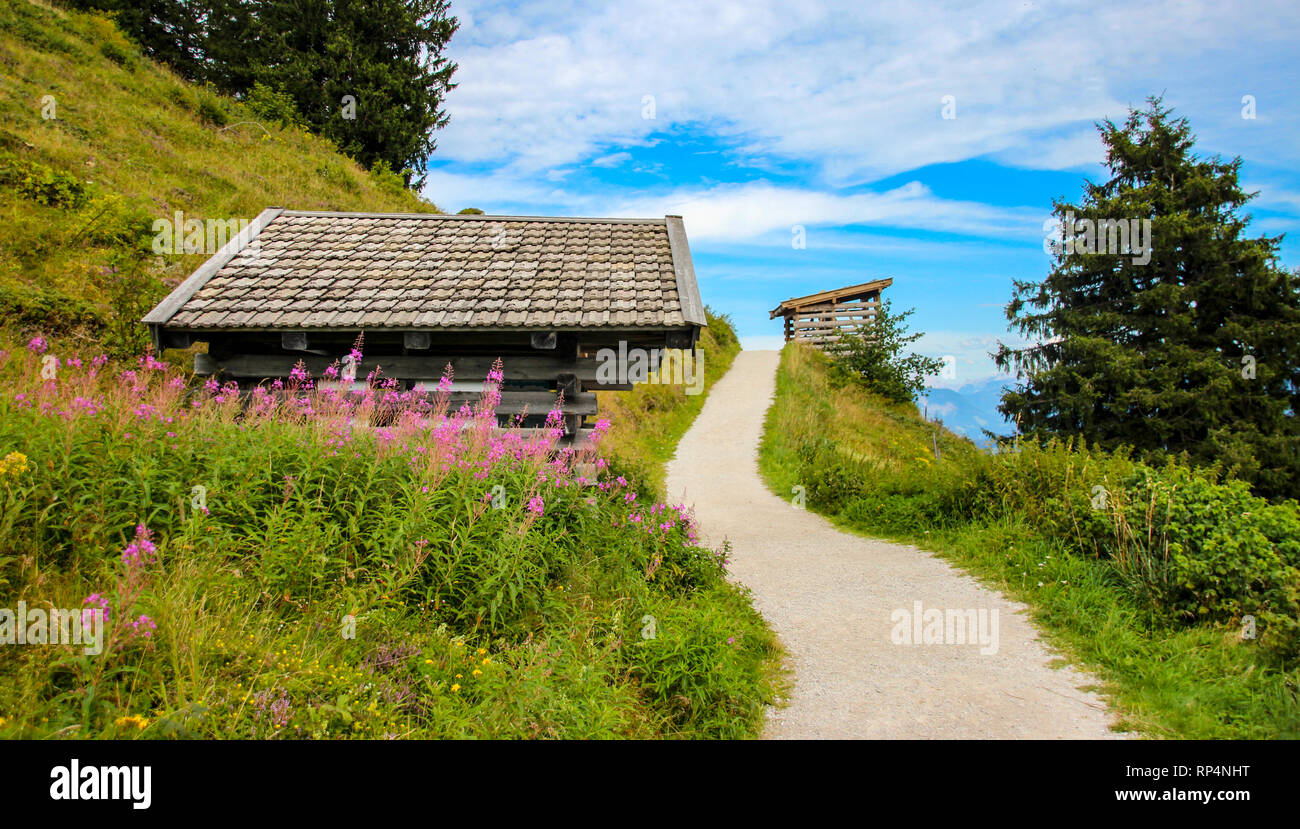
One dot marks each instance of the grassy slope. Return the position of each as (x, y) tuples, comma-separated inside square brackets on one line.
[(143, 143), (1198, 682)]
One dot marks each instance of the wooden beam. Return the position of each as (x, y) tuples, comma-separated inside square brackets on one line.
[(418, 367), (568, 384), (688, 290), (798, 303)]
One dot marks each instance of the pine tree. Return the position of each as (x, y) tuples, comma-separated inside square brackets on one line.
[(1188, 342)]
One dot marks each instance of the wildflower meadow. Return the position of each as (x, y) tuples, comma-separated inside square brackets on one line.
[(307, 560)]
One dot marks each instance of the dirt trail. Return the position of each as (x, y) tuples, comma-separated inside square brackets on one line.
[(830, 595)]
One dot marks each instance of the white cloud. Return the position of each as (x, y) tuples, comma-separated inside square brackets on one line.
[(612, 160), (855, 89), (971, 352), (747, 211)]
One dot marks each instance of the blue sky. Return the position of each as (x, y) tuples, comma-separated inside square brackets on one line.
[(751, 119)]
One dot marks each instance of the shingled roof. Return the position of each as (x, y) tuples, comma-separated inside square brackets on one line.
[(304, 270)]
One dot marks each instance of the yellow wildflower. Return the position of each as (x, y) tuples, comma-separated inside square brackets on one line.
[(134, 719), (15, 462), (456, 687)]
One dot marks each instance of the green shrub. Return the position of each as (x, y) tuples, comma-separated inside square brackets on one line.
[(47, 311), (131, 292), (1198, 549), (873, 356), (702, 663), (212, 107), (273, 105), (473, 617), (40, 183), (385, 179)]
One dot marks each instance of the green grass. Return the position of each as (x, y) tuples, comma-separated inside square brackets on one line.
[(1166, 676)]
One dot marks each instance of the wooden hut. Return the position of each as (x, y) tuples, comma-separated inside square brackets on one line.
[(428, 290), (818, 318)]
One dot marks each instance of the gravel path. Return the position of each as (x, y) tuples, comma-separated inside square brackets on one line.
[(830, 595)]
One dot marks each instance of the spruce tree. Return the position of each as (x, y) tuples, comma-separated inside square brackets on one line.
[(1191, 347)]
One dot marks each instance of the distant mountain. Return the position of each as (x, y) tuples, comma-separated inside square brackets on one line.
[(970, 409)]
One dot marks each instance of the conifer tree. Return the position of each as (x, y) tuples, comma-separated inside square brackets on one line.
[(1188, 341)]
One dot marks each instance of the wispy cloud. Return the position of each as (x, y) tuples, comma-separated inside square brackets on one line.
[(855, 88)]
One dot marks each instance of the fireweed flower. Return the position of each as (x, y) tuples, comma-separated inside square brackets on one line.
[(94, 604), (144, 626), (424, 435), (38, 345), (141, 551)]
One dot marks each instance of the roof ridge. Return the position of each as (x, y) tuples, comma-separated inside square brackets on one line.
[(471, 217)]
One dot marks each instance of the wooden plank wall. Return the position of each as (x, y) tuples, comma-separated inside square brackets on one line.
[(819, 324)]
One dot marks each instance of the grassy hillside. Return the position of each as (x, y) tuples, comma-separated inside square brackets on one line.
[(129, 142), (1179, 589)]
